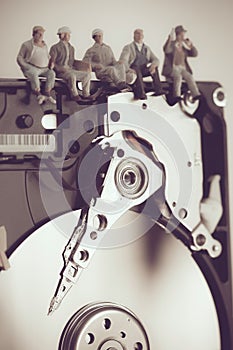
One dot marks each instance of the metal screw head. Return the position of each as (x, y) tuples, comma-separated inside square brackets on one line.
[(200, 240), (115, 116)]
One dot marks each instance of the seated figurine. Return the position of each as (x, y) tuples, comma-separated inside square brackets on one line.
[(176, 67), (104, 64), (139, 57), (63, 60), (33, 59)]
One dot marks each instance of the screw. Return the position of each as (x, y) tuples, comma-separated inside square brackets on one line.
[(200, 240)]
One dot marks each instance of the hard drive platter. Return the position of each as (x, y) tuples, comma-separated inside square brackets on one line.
[(162, 287)]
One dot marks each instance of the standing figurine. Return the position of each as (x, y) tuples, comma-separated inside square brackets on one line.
[(33, 59), (139, 57), (63, 59), (177, 48), (104, 64)]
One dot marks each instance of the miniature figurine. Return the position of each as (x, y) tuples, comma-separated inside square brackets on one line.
[(104, 64), (33, 59), (64, 63), (139, 57), (176, 67)]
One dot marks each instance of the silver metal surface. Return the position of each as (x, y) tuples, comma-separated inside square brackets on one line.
[(211, 212), (154, 276), (131, 178), (187, 105), (219, 97), (119, 195), (175, 141), (104, 326), (131, 181), (204, 240)]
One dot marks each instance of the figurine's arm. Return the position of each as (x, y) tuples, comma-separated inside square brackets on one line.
[(52, 62), (125, 55), (191, 49), (168, 46), (192, 52), (88, 58), (114, 61), (21, 58), (72, 56)]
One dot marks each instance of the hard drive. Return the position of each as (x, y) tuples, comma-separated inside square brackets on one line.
[(114, 222)]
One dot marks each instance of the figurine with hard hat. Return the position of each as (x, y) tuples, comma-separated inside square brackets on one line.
[(177, 49), (63, 59), (104, 64), (33, 59)]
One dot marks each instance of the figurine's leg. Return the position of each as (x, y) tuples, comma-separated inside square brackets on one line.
[(108, 75), (85, 78), (104, 75), (71, 76), (188, 77), (116, 75), (120, 72), (49, 74), (139, 91), (156, 82), (177, 81), (70, 79), (33, 76)]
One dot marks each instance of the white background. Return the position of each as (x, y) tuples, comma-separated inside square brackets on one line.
[(209, 24)]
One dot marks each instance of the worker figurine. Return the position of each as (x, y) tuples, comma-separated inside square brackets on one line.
[(63, 60), (104, 64), (33, 59), (139, 57), (176, 67)]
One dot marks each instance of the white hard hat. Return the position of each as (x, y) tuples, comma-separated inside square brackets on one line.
[(97, 31), (63, 29)]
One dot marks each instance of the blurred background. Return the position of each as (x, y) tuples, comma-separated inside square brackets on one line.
[(209, 25)]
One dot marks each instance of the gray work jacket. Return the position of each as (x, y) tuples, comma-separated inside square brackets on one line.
[(128, 55), (58, 55), (100, 55)]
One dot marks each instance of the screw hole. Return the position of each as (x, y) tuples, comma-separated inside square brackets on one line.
[(74, 147), (88, 126), (89, 338), (83, 255), (183, 213), (215, 248), (123, 335), (100, 222), (138, 346), (129, 178), (107, 323)]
